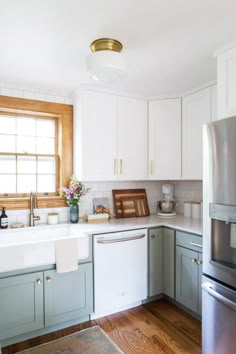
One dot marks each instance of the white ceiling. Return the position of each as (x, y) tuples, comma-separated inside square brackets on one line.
[(168, 44)]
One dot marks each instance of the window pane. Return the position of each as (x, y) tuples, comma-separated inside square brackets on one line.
[(26, 126), (7, 184), (46, 183), (25, 144), (46, 165), (26, 164), (26, 183), (45, 128), (45, 146), (7, 143), (7, 125), (7, 164)]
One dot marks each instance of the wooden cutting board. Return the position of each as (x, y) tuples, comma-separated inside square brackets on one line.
[(130, 203)]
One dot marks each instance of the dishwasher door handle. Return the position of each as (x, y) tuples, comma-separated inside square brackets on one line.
[(124, 239), (208, 288)]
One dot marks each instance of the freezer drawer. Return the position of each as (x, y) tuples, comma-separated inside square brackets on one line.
[(219, 318), (120, 269)]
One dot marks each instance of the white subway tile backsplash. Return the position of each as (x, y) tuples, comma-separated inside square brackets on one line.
[(49, 95), (23, 218), (183, 190)]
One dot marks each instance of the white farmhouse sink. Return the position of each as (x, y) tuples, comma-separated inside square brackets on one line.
[(35, 246)]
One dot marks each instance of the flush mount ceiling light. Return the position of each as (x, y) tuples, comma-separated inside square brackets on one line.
[(106, 62)]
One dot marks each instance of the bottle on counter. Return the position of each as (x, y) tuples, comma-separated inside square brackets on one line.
[(3, 219)]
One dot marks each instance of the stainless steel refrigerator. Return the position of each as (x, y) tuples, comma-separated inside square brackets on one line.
[(219, 238)]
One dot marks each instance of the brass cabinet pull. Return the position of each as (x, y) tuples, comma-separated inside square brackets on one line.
[(194, 260), (121, 167), (199, 262), (115, 167), (39, 281), (49, 279), (151, 167), (152, 236)]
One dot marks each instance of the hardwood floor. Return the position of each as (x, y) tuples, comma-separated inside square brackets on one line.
[(157, 327)]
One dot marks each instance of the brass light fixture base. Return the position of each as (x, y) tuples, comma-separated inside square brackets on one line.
[(106, 44)]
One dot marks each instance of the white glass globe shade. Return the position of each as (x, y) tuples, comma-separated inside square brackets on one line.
[(106, 65)]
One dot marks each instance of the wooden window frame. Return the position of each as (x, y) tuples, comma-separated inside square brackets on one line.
[(64, 115)]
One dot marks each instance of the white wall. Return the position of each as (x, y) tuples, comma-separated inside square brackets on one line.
[(35, 93)]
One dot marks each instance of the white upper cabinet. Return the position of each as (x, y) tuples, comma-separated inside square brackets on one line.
[(226, 83), (110, 137), (196, 112), (95, 136), (165, 139), (132, 139)]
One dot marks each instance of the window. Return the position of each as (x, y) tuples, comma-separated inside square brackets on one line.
[(35, 151), (28, 154)]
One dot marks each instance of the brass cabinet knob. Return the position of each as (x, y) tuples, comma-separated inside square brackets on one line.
[(152, 235), (194, 260), (49, 279), (199, 262), (39, 281)]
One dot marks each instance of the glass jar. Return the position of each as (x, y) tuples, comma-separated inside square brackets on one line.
[(74, 213)]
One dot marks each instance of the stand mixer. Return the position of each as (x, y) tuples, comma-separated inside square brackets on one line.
[(166, 206)]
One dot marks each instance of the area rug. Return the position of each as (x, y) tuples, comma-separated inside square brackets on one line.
[(88, 341)]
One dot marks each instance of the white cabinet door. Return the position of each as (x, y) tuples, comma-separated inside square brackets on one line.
[(196, 112), (132, 139), (96, 128), (226, 83), (165, 139)]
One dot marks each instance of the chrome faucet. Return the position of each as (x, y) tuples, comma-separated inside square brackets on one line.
[(33, 205)]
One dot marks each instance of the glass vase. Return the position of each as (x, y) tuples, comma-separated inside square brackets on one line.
[(74, 213)]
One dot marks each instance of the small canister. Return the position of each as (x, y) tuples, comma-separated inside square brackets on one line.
[(188, 209), (196, 210), (53, 218)]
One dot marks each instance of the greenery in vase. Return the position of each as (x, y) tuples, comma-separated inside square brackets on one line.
[(74, 192)]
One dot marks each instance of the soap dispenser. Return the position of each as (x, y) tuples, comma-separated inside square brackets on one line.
[(3, 219)]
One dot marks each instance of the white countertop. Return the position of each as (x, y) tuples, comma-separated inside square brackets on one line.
[(42, 233)]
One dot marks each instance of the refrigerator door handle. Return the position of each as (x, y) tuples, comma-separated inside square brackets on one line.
[(208, 288)]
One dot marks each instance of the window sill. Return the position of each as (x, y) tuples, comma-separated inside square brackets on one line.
[(19, 203)]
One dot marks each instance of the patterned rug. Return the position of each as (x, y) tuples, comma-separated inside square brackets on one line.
[(88, 341)]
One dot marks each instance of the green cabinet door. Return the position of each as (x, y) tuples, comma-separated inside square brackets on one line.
[(187, 278), (169, 262), (21, 304), (200, 284), (155, 269), (68, 295)]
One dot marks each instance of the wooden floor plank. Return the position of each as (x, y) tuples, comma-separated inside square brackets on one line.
[(157, 327), (181, 320)]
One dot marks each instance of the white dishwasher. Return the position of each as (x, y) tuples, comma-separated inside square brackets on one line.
[(120, 270)]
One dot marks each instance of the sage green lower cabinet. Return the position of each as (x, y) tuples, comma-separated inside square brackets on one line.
[(187, 278), (21, 304), (155, 275), (189, 270), (169, 262), (35, 301), (161, 245), (68, 295)]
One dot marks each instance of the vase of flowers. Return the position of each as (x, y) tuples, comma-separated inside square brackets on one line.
[(73, 194)]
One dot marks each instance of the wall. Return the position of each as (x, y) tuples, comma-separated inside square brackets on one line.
[(184, 190), (35, 93)]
